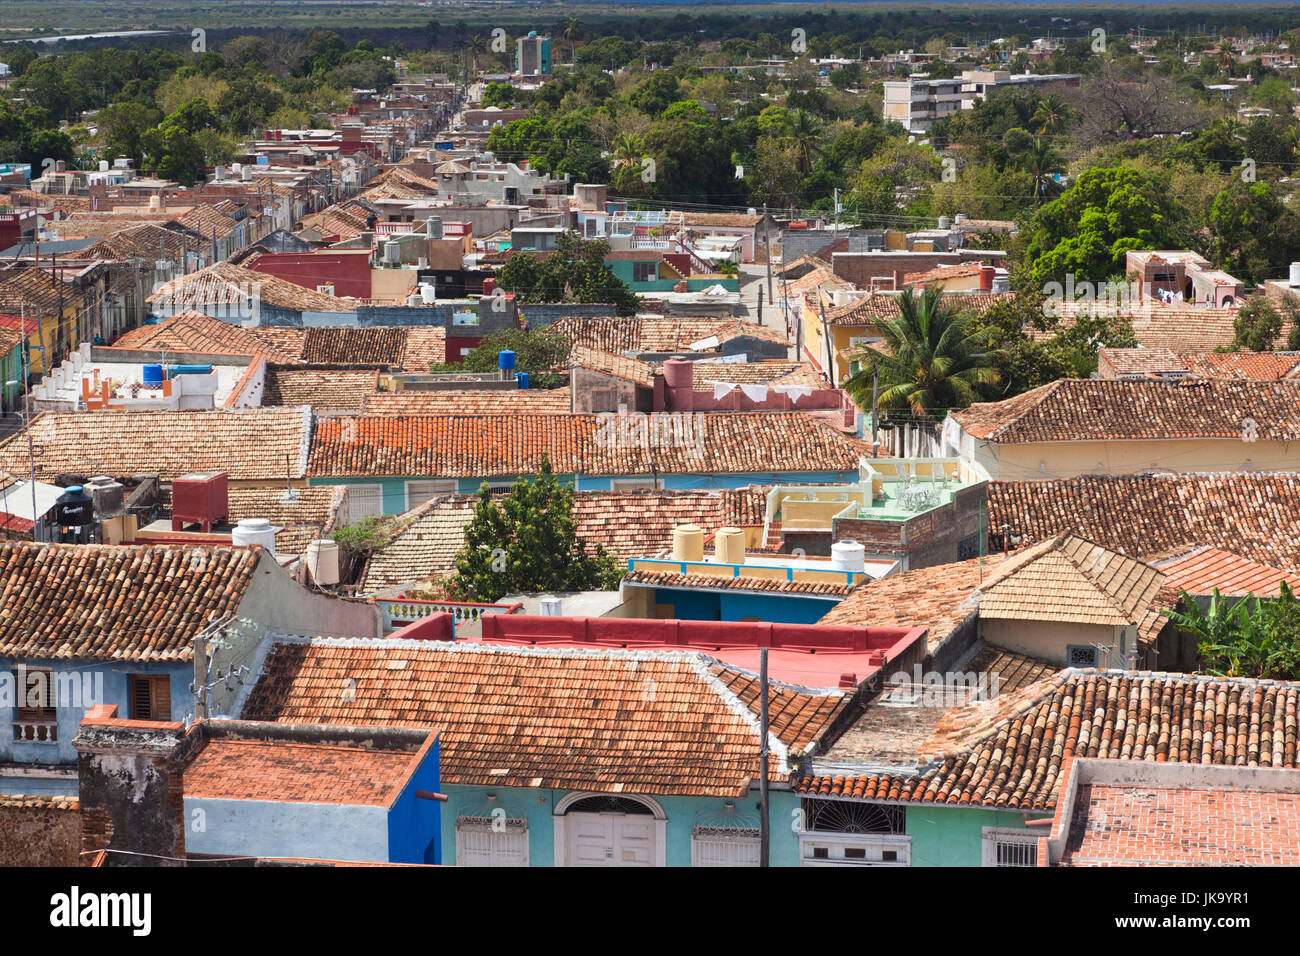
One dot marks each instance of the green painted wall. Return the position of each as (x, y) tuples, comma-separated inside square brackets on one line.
[(954, 836)]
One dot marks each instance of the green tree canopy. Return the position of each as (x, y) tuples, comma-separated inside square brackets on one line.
[(528, 541)]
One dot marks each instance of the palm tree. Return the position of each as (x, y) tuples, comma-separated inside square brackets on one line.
[(1051, 114), (476, 45), (1040, 161), (627, 149), (804, 130), (571, 30), (933, 359)]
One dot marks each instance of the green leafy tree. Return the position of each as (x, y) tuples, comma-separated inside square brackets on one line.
[(575, 272), (537, 351), (528, 541), (1255, 235), (501, 95), (1092, 226), (934, 359), (1250, 638), (1256, 325)]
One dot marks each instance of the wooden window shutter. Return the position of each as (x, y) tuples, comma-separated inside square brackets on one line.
[(161, 694)]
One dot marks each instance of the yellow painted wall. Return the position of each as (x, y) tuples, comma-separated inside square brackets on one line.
[(1048, 640), (1068, 459)]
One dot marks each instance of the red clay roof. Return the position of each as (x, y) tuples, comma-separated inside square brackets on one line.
[(1204, 569), (1104, 409), (1251, 514), (651, 722), (1010, 754), (1145, 825), (479, 446), (124, 602), (287, 772), (249, 443), (469, 401)]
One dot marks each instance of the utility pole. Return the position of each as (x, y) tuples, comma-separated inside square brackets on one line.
[(764, 828), (27, 410), (767, 249), (875, 406), (201, 676), (760, 305), (837, 212)]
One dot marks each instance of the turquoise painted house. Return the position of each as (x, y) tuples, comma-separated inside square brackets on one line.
[(390, 464), (653, 270)]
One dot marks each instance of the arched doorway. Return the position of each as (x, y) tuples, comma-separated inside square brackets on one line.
[(601, 829)]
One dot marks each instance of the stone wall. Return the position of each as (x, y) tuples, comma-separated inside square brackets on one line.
[(40, 831)]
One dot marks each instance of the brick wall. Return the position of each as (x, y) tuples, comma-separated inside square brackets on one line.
[(40, 831)]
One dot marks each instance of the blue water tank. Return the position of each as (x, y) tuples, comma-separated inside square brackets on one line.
[(506, 360), (522, 378), (153, 374), (174, 370)]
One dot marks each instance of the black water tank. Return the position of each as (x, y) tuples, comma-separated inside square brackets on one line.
[(74, 508)]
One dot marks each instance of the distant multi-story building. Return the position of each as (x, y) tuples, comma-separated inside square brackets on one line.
[(919, 101), (533, 55)]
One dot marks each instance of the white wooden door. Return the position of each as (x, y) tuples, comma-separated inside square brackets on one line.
[(610, 839)]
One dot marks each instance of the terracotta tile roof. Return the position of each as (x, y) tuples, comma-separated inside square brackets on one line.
[(720, 582), (1189, 329), (1146, 825), (938, 598), (191, 331), (123, 602), (722, 220), (760, 373), (252, 443), (1203, 569), (28, 287), (892, 732), (1141, 361), (626, 523), (333, 222), (875, 307), (941, 273), (321, 388), (1105, 409), (284, 340), (399, 347), (1010, 753), (426, 346), (281, 771), (1261, 366), (301, 520), (480, 446), (147, 240), (526, 401), (425, 549), (224, 283), (208, 221), (1254, 515), (619, 366), (645, 334), (1069, 580), (652, 722)]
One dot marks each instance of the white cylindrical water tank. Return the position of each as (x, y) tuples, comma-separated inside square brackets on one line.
[(254, 531), (428, 293), (1001, 284), (323, 561), (1294, 280), (550, 607), (944, 222), (848, 556)]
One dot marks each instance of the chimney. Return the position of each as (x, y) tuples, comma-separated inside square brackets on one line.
[(679, 385), (129, 778)]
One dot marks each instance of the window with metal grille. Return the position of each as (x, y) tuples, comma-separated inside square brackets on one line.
[(644, 271), (151, 696), (724, 846), (365, 501), (1009, 847)]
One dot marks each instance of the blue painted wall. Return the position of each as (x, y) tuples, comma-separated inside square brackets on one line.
[(691, 605), (394, 488), (537, 806), (274, 828), (115, 692), (415, 824)]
